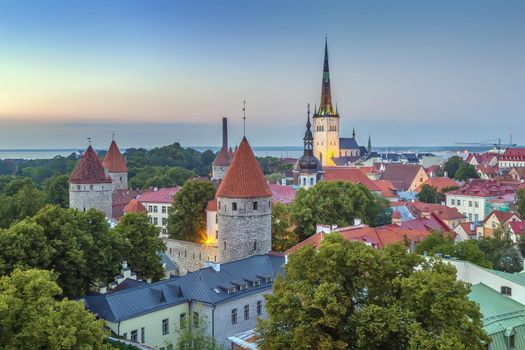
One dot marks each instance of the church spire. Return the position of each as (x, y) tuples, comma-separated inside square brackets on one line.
[(308, 137), (326, 108), (353, 133), (369, 148)]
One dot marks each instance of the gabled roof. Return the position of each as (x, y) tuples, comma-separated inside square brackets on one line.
[(502, 216), (244, 178), (350, 174), (348, 143), (469, 228), (114, 161), (485, 188), (517, 227), (442, 211), (282, 194), (439, 183), (161, 195), (387, 188), (134, 206), (401, 175), (513, 154), (89, 170)]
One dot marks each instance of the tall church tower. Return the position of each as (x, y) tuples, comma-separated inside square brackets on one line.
[(326, 121)]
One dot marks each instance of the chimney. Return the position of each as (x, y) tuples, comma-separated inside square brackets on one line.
[(445, 174), (215, 266), (102, 288), (225, 133), (357, 221)]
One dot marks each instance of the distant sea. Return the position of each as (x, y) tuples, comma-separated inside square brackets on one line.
[(284, 151)]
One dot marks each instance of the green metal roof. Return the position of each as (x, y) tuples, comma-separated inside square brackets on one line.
[(513, 277), (499, 312)]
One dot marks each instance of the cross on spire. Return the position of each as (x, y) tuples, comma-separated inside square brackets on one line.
[(89, 141), (244, 116), (113, 136)]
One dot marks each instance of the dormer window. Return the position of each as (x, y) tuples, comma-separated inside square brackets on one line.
[(231, 290), (256, 283), (268, 279), (243, 286), (506, 290)]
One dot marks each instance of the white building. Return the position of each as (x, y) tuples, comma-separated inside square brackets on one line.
[(157, 203)]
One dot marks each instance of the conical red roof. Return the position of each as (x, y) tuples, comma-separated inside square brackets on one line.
[(89, 170), (222, 159), (134, 206), (113, 161), (244, 178)]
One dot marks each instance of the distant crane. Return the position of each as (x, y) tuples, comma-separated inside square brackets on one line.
[(496, 143)]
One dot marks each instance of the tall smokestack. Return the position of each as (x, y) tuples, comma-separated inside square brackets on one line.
[(225, 133)]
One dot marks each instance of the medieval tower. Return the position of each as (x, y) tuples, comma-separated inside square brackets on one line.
[(244, 208), (326, 121), (89, 186), (116, 168), (223, 159)]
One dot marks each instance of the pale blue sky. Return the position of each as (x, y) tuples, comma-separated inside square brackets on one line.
[(408, 72)]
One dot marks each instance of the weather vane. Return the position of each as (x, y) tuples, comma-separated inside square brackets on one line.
[(89, 140), (244, 116)]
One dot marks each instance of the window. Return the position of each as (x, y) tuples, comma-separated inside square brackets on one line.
[(150, 208), (234, 206), (196, 319), (224, 245), (165, 326), (125, 335), (453, 201), (246, 312), (304, 181), (470, 204), (259, 307), (256, 283), (164, 210), (459, 202), (234, 316), (255, 205), (91, 187), (134, 334), (476, 204), (142, 335), (182, 321), (512, 341), (506, 291), (470, 217), (155, 221), (476, 217), (254, 245), (164, 221)]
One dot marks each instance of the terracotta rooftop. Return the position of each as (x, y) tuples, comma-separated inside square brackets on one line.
[(89, 170), (135, 207), (485, 188), (114, 161), (212, 205), (223, 158), (244, 178), (469, 228), (282, 194), (121, 198), (442, 211), (350, 174), (439, 183), (481, 158), (502, 216), (387, 188), (161, 195), (513, 154), (517, 227)]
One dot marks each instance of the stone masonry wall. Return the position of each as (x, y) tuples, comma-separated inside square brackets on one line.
[(86, 196), (189, 256), (245, 231), (218, 172), (119, 180)]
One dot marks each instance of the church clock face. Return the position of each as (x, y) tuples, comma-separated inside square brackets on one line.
[(308, 146)]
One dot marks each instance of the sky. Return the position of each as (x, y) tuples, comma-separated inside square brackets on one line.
[(164, 71)]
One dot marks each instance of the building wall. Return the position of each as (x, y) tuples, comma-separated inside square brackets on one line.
[(86, 196), (119, 180), (326, 142), (152, 324), (474, 208), (158, 215), (212, 226), (418, 180), (218, 172), (190, 256), (245, 231)]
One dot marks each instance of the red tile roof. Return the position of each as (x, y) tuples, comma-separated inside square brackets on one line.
[(485, 188), (350, 174), (432, 223), (502, 216), (121, 198), (212, 205), (244, 178), (162, 195), (89, 170), (469, 228), (439, 183), (513, 154), (387, 188), (113, 161), (482, 158), (442, 211), (488, 170), (401, 175), (283, 194), (135, 207), (223, 157), (517, 227)]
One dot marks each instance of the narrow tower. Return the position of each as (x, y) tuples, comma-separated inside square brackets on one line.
[(244, 208), (89, 186), (223, 159), (326, 121), (369, 148), (115, 166), (308, 169)]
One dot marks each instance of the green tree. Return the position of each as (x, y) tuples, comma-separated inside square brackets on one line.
[(521, 203), (452, 165), (465, 172), (347, 295), (335, 203), (429, 194), (32, 317), (195, 336), (57, 190), (435, 243), (145, 243), (187, 215), (501, 250), (283, 237)]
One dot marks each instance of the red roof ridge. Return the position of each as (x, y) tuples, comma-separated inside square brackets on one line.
[(114, 161), (244, 178), (89, 169), (134, 206)]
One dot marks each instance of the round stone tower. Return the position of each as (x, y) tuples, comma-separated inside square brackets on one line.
[(244, 208), (89, 186), (116, 168)]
